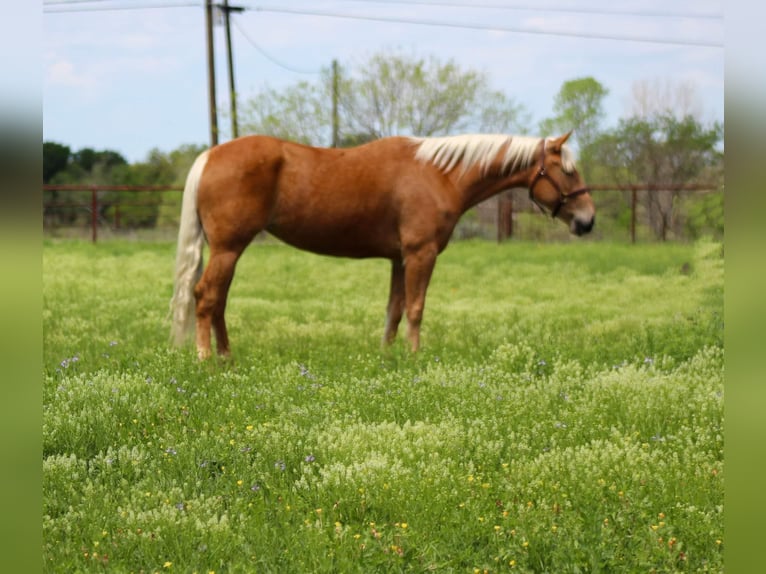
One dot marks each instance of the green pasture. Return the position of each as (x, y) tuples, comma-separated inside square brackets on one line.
[(564, 415)]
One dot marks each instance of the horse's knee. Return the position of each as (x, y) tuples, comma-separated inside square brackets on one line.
[(415, 312)]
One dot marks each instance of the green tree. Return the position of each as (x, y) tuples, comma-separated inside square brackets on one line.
[(387, 94), (662, 151), (149, 208), (88, 166), (84, 167), (88, 158), (578, 106), (55, 159), (299, 113), (392, 94)]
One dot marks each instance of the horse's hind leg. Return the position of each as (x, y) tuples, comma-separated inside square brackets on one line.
[(211, 293), (395, 302)]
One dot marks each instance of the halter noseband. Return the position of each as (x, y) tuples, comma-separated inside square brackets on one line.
[(563, 197)]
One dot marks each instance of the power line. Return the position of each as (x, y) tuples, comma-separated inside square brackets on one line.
[(65, 2), (468, 26), (268, 56), (410, 21), (534, 8), (61, 7), (511, 7)]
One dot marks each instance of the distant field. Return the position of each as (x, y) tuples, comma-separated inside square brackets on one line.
[(564, 415)]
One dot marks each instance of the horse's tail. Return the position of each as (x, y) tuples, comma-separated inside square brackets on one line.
[(188, 257)]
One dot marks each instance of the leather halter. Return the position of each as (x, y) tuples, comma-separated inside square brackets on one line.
[(563, 197)]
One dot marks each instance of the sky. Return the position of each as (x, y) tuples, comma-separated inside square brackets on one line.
[(131, 75)]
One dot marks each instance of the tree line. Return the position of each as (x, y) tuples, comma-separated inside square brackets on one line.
[(64, 166), (662, 140)]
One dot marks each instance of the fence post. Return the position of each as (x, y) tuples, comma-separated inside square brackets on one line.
[(93, 212), (504, 217), (633, 215)]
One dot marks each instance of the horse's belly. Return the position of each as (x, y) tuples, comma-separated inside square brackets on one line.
[(355, 238)]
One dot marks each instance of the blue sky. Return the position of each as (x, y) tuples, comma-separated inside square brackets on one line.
[(133, 80)]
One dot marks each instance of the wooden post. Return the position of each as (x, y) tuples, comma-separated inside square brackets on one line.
[(335, 118), (633, 193), (230, 58), (211, 74), (93, 213), (504, 217)]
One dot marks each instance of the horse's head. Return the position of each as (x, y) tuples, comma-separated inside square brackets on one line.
[(557, 187)]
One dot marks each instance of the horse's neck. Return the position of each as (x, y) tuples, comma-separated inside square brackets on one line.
[(476, 186)]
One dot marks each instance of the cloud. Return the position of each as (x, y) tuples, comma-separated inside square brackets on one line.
[(62, 73)]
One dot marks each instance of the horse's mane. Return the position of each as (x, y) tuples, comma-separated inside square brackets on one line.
[(472, 149)]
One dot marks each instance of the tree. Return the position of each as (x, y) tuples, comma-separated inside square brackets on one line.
[(657, 97), (88, 166), (578, 106), (388, 94), (298, 113), (55, 159), (501, 114), (159, 168), (659, 150), (88, 158), (394, 94), (85, 166)]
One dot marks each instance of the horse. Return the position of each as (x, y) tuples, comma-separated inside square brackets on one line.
[(397, 198)]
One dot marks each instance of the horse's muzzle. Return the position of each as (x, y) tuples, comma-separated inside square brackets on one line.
[(580, 227)]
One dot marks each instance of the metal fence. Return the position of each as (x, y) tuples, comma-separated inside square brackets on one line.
[(622, 212), (93, 208), (152, 211)]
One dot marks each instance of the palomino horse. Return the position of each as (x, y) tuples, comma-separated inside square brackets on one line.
[(398, 198)]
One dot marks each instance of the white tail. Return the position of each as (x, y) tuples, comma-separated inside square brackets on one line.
[(188, 257)]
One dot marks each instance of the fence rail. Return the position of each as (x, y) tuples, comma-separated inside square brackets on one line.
[(501, 210), (93, 204)]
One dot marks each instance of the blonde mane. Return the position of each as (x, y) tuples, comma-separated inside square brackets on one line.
[(481, 149)]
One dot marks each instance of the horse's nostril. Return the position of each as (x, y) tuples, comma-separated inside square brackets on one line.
[(582, 228)]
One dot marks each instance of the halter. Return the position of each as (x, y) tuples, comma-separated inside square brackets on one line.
[(563, 197)]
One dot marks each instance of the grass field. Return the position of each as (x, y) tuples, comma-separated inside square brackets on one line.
[(564, 415)]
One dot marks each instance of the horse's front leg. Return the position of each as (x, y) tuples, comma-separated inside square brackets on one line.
[(418, 266), (395, 308)]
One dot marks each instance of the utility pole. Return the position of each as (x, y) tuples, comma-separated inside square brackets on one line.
[(232, 92), (211, 73), (335, 119)]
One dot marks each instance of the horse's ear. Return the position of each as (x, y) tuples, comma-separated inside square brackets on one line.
[(556, 144)]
